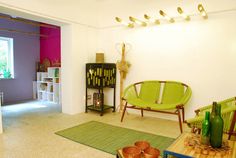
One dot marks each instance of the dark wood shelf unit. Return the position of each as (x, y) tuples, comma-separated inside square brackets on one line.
[(100, 76)]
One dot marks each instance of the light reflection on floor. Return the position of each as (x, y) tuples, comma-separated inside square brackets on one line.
[(28, 106)]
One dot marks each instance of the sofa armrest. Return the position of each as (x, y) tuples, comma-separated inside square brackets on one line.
[(202, 109), (223, 104), (195, 122)]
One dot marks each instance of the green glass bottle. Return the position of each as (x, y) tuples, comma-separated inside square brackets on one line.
[(206, 129), (216, 130), (213, 111), (56, 72)]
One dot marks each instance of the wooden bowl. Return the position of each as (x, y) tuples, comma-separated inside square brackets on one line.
[(142, 145), (151, 153), (131, 152)]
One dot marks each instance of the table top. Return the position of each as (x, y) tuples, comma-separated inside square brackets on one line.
[(179, 147)]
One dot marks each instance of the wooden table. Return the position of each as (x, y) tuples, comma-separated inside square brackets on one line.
[(179, 150)]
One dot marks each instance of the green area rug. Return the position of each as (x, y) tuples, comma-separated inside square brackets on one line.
[(109, 138)]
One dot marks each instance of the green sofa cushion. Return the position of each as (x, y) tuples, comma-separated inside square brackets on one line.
[(150, 91), (172, 93)]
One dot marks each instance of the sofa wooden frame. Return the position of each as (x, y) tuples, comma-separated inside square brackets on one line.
[(177, 110), (196, 125)]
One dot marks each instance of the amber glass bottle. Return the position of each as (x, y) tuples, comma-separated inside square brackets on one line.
[(216, 129)]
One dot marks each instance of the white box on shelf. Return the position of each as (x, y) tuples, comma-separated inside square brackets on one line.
[(49, 87), (56, 92), (50, 97), (54, 72), (39, 95), (38, 76), (34, 89), (43, 75), (44, 96)]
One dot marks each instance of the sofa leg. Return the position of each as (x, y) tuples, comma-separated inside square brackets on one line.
[(122, 117), (231, 130), (141, 112), (193, 130), (196, 130), (199, 131), (180, 122), (183, 117)]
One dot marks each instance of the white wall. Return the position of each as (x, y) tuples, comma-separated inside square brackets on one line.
[(78, 41), (200, 53)]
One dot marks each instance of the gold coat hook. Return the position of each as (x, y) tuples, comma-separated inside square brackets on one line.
[(131, 25), (137, 21), (202, 11), (162, 13), (181, 12), (156, 21)]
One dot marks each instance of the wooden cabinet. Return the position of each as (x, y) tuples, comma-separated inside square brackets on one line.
[(100, 76)]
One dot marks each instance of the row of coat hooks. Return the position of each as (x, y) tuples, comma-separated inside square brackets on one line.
[(149, 19)]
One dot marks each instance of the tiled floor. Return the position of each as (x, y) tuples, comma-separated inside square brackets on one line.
[(29, 131)]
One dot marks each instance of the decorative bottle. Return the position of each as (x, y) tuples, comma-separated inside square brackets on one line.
[(216, 129), (56, 72), (213, 111), (206, 129)]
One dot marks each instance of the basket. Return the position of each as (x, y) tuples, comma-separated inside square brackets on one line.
[(99, 57)]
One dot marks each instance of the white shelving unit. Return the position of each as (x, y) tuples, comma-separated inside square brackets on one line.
[(48, 87)]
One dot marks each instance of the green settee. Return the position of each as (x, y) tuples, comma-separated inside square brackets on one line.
[(167, 97), (228, 113)]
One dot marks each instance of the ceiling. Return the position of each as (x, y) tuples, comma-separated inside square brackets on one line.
[(101, 13)]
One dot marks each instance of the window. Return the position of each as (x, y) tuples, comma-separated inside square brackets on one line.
[(6, 58)]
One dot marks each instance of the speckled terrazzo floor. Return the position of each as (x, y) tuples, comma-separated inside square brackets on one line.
[(29, 131)]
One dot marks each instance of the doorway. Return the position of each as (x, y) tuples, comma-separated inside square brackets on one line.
[(47, 72)]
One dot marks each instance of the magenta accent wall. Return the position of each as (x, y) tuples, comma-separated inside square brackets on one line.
[(50, 47), (26, 54)]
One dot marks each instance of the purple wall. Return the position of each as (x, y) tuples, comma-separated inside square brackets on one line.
[(26, 53)]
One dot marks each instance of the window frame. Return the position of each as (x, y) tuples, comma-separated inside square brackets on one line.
[(10, 55)]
